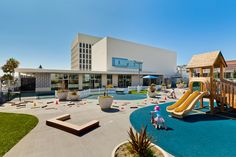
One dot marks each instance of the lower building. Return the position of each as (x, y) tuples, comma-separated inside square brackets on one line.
[(48, 79)]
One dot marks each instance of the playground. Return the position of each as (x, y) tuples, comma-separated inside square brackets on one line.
[(202, 121), (198, 134)]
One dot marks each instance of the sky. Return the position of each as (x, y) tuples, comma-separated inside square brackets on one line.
[(41, 31)]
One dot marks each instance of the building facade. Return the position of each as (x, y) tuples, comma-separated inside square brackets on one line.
[(97, 62)]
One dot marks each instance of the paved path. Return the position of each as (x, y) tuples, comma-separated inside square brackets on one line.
[(45, 141)]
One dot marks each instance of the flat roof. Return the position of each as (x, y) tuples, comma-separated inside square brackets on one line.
[(31, 70)]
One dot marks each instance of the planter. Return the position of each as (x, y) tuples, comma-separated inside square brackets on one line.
[(73, 96), (62, 95), (105, 102), (161, 153)]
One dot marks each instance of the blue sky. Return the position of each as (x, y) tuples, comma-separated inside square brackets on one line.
[(41, 32)]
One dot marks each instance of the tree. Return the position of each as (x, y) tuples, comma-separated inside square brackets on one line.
[(9, 70)]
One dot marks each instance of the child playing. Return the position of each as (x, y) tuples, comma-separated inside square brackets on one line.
[(158, 121)]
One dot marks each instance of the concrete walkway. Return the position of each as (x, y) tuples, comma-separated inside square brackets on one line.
[(45, 141)]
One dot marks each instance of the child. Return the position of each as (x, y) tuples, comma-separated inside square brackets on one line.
[(158, 121)]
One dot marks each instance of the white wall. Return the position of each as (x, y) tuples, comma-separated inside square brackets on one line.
[(99, 56), (154, 59)]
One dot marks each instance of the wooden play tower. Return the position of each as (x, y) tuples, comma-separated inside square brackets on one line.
[(208, 70)]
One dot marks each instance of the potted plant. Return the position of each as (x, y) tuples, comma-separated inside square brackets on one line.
[(105, 101), (62, 94), (139, 145), (73, 96)]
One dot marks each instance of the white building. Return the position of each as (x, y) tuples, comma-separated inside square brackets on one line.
[(97, 62)]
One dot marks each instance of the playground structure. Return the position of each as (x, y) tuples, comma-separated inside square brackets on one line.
[(203, 68)]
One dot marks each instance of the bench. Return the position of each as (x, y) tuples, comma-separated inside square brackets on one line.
[(59, 122)]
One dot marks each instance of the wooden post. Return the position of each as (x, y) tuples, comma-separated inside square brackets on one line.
[(211, 93), (201, 88), (190, 76), (221, 71)]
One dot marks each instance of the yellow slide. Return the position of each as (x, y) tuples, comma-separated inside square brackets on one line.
[(172, 108), (188, 105)]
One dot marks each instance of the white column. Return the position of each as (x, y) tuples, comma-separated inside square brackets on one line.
[(115, 80), (104, 80), (80, 81)]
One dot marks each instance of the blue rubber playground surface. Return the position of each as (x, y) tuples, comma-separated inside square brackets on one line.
[(197, 135)]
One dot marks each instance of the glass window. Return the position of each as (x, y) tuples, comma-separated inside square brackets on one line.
[(86, 50), (89, 66), (80, 50), (90, 46), (124, 81), (73, 77), (83, 44), (89, 61), (83, 55), (80, 55), (86, 45), (109, 79), (83, 50), (89, 56), (80, 44)]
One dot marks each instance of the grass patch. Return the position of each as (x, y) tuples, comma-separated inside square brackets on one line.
[(13, 127), (135, 92)]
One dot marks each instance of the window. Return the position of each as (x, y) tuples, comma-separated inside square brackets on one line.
[(86, 45), (83, 44), (89, 66), (80, 61), (80, 44), (89, 56), (83, 55), (89, 61), (83, 50), (89, 51), (124, 81), (80, 50), (80, 55), (109, 79), (86, 50), (90, 46)]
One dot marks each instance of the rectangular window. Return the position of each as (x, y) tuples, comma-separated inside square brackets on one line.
[(86, 50), (89, 56), (83, 50), (86, 45), (90, 46), (109, 79), (80, 50), (89, 61), (80, 55), (80, 44), (124, 81)]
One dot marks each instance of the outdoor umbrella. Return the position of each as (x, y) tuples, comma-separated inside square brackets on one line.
[(150, 77)]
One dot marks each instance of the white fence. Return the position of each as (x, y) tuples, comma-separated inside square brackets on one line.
[(88, 92)]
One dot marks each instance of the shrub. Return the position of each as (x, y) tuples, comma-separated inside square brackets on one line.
[(140, 143)]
